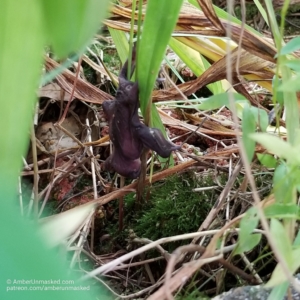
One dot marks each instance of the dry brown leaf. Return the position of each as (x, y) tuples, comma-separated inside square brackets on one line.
[(83, 90), (207, 123), (54, 92), (170, 121), (248, 64), (210, 13)]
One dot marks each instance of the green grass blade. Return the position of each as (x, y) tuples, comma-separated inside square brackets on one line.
[(72, 23), (121, 42), (160, 20), (20, 72), (195, 61)]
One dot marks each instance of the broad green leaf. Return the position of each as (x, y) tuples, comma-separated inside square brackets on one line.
[(281, 240), (279, 291), (21, 40), (247, 240), (23, 256), (291, 84), (291, 46), (261, 117), (293, 262), (157, 29), (291, 107), (267, 160), (283, 184), (217, 101), (297, 240), (277, 146), (282, 211), (248, 244), (71, 24), (248, 127), (293, 64), (297, 138), (249, 222), (295, 176), (279, 94)]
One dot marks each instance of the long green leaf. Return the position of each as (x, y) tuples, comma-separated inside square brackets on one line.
[(248, 127), (283, 184), (278, 147), (195, 61), (160, 20), (71, 24), (291, 46), (20, 71), (121, 42), (24, 258)]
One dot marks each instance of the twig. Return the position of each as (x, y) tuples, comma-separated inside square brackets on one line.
[(82, 239), (72, 93), (89, 137), (21, 197), (109, 266), (218, 205), (35, 175)]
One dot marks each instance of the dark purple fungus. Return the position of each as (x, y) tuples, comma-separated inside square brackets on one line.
[(128, 134)]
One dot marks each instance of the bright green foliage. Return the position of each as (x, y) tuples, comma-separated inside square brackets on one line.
[(247, 240), (20, 71), (294, 64), (253, 118), (291, 46), (283, 184), (171, 208), (267, 160), (284, 247), (248, 127), (157, 29), (282, 211), (23, 28), (70, 24), (279, 291)]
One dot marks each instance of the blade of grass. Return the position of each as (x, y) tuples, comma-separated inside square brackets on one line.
[(160, 20), (195, 61)]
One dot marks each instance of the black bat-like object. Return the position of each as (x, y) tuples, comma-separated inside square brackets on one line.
[(128, 135)]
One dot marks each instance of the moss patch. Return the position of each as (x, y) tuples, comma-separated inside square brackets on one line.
[(172, 208)]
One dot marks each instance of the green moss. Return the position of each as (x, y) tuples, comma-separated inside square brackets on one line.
[(251, 11), (172, 208), (110, 59), (175, 208)]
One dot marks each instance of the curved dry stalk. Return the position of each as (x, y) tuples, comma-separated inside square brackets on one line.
[(196, 248), (111, 265)]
